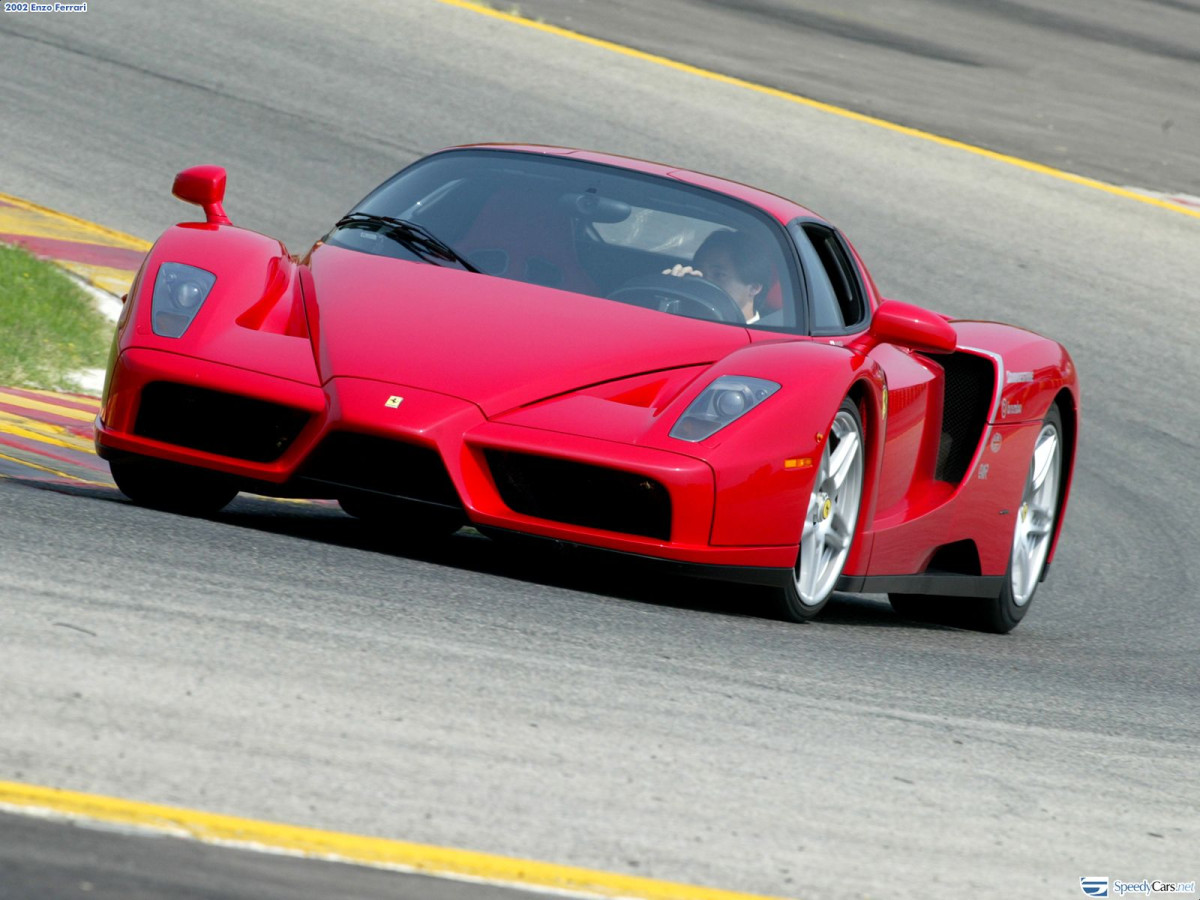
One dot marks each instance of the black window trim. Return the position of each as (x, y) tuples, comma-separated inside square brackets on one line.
[(857, 282)]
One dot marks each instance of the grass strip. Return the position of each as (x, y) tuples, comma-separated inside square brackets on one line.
[(49, 327)]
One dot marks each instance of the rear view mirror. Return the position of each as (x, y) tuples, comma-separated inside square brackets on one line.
[(204, 186), (912, 327), (593, 208)]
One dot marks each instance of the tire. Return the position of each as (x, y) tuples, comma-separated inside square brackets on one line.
[(1033, 534), (830, 520), (172, 487), (413, 522)]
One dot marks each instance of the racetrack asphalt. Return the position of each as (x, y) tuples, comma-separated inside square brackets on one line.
[(1105, 88), (46, 859), (281, 663)]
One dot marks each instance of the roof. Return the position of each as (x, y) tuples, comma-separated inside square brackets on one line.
[(781, 208)]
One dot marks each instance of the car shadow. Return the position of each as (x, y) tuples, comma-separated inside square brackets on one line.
[(554, 564), (532, 561)]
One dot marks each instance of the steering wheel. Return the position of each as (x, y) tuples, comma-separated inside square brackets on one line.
[(683, 295)]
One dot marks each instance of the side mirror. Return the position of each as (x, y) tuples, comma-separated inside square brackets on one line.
[(912, 327), (204, 186)]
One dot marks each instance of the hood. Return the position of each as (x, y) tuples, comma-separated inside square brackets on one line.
[(497, 343)]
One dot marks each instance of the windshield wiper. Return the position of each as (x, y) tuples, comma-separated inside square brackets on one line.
[(417, 238)]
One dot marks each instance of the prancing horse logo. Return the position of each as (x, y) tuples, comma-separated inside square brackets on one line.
[(393, 401)]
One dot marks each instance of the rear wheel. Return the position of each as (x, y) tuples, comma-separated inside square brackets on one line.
[(830, 520), (171, 486), (1033, 534)]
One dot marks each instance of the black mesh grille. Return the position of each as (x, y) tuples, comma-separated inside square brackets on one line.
[(216, 422), (970, 381), (581, 494), (363, 462)]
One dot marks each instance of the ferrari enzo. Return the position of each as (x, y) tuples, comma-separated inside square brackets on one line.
[(604, 352)]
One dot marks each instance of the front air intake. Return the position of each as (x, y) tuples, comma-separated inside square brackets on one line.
[(347, 462), (217, 422), (581, 494)]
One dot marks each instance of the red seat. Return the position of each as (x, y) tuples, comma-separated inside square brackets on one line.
[(772, 300)]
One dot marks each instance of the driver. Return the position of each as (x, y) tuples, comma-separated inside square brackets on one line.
[(733, 262)]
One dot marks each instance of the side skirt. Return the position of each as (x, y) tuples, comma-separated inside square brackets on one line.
[(940, 584)]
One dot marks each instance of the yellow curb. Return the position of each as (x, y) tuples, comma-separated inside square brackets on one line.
[(114, 281), (40, 468), (33, 430), (64, 226), (380, 852), (59, 395), (70, 412), (46, 224), (824, 107), (31, 220)]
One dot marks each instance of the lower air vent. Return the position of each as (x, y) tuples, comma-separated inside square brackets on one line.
[(581, 494), (216, 422), (363, 462), (960, 558)]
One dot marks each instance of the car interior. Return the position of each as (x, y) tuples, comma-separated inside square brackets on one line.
[(581, 227)]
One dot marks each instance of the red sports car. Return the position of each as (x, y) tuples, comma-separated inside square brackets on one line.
[(606, 352)]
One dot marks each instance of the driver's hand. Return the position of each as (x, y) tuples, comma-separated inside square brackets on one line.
[(680, 269)]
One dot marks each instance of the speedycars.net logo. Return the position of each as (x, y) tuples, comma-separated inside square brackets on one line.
[(1102, 886)]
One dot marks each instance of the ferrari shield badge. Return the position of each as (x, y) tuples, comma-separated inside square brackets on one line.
[(393, 401)]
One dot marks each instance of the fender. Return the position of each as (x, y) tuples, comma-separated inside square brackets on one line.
[(766, 462), (1032, 370), (1033, 373), (255, 310)]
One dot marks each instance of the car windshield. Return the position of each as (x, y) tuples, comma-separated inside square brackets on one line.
[(589, 229)]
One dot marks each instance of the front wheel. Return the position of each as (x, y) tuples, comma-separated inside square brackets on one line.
[(830, 520), (1033, 535), (171, 486)]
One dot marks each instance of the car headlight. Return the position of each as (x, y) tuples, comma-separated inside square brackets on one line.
[(728, 398), (179, 292)]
